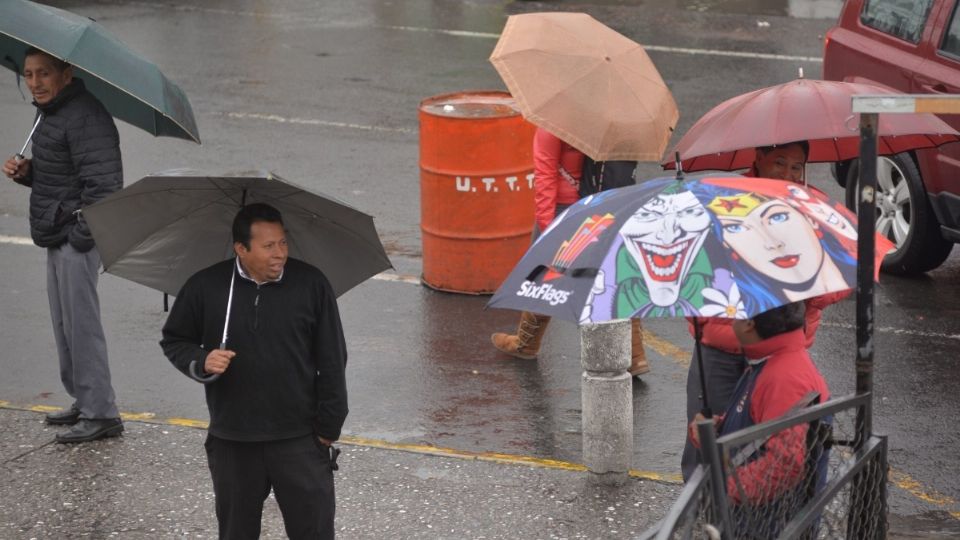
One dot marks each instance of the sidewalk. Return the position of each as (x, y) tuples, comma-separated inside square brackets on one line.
[(153, 483)]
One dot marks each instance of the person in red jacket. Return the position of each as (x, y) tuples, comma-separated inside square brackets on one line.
[(779, 377), (723, 360), (557, 172)]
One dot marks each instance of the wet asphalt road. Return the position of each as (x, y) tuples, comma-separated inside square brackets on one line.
[(326, 95)]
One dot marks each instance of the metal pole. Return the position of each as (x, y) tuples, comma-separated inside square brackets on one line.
[(718, 480), (866, 229)]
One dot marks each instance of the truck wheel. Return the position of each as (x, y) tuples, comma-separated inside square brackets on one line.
[(841, 171), (904, 215)]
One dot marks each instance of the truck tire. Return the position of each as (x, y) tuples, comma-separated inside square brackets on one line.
[(904, 215)]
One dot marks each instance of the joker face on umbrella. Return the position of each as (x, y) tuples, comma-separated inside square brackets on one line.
[(663, 236)]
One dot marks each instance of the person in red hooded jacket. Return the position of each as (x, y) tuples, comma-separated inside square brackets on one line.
[(558, 167), (723, 359), (779, 377)]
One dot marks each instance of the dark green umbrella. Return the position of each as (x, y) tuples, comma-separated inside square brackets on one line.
[(132, 88)]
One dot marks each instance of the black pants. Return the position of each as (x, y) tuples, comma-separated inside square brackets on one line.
[(722, 371), (298, 470)]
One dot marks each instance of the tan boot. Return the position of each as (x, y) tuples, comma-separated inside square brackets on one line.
[(638, 357), (526, 343)]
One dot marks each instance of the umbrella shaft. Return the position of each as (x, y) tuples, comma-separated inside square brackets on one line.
[(20, 154)]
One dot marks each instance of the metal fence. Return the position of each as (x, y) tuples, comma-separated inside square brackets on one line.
[(811, 474)]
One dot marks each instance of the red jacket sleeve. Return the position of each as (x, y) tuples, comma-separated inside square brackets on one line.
[(547, 150), (780, 466)]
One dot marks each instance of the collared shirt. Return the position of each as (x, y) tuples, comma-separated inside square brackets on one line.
[(244, 275)]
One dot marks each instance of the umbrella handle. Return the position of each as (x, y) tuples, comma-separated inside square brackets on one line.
[(698, 335), (195, 374)]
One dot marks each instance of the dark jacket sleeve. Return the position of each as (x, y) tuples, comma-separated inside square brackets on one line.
[(27, 179), (330, 350), (183, 333), (95, 152)]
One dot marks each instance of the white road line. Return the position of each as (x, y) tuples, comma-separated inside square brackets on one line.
[(383, 276), (310, 122), (470, 34), (896, 331), (659, 48), (414, 280), (400, 278), (15, 240), (736, 54), (458, 33)]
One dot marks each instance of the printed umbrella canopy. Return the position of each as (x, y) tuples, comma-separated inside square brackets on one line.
[(810, 110), (131, 87), (707, 247), (587, 84)]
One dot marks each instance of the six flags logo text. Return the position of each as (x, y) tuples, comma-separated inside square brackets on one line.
[(585, 235), (545, 292)]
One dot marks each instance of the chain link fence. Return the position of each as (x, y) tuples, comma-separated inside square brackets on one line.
[(811, 474)]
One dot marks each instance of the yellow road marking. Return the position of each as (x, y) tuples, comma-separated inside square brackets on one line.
[(186, 422), (138, 416), (897, 478), (911, 486), (513, 459), (665, 348), (44, 408)]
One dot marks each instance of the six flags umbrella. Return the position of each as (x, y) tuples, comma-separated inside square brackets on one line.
[(810, 110), (162, 229), (710, 247), (587, 84), (131, 87)]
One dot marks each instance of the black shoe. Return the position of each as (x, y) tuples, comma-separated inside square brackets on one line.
[(88, 429), (67, 417)]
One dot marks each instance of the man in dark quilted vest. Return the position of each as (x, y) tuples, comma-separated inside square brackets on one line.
[(75, 163)]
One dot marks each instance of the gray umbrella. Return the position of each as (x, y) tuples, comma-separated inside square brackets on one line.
[(162, 229)]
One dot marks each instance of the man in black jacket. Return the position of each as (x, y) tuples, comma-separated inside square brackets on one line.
[(76, 162), (276, 388)]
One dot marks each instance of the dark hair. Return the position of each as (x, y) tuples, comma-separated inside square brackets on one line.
[(803, 145), (250, 214), (780, 320), (59, 64)]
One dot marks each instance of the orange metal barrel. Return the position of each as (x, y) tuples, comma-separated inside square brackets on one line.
[(476, 190)]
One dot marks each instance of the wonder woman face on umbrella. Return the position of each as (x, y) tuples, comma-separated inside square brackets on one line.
[(664, 236), (772, 237)]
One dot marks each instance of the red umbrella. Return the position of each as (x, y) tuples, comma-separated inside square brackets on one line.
[(816, 111)]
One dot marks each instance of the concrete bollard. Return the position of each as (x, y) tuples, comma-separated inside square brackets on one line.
[(607, 399)]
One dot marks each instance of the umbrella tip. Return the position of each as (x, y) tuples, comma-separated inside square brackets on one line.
[(679, 165), (800, 72)]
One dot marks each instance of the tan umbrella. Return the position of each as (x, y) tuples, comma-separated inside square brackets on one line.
[(587, 84)]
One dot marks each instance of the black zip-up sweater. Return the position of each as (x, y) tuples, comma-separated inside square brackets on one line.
[(287, 379)]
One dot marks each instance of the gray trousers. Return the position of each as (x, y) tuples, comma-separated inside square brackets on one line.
[(81, 345), (722, 370)]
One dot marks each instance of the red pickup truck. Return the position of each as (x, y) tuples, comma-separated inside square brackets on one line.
[(912, 46)]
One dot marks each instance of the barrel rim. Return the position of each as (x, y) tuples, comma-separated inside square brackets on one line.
[(448, 95)]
